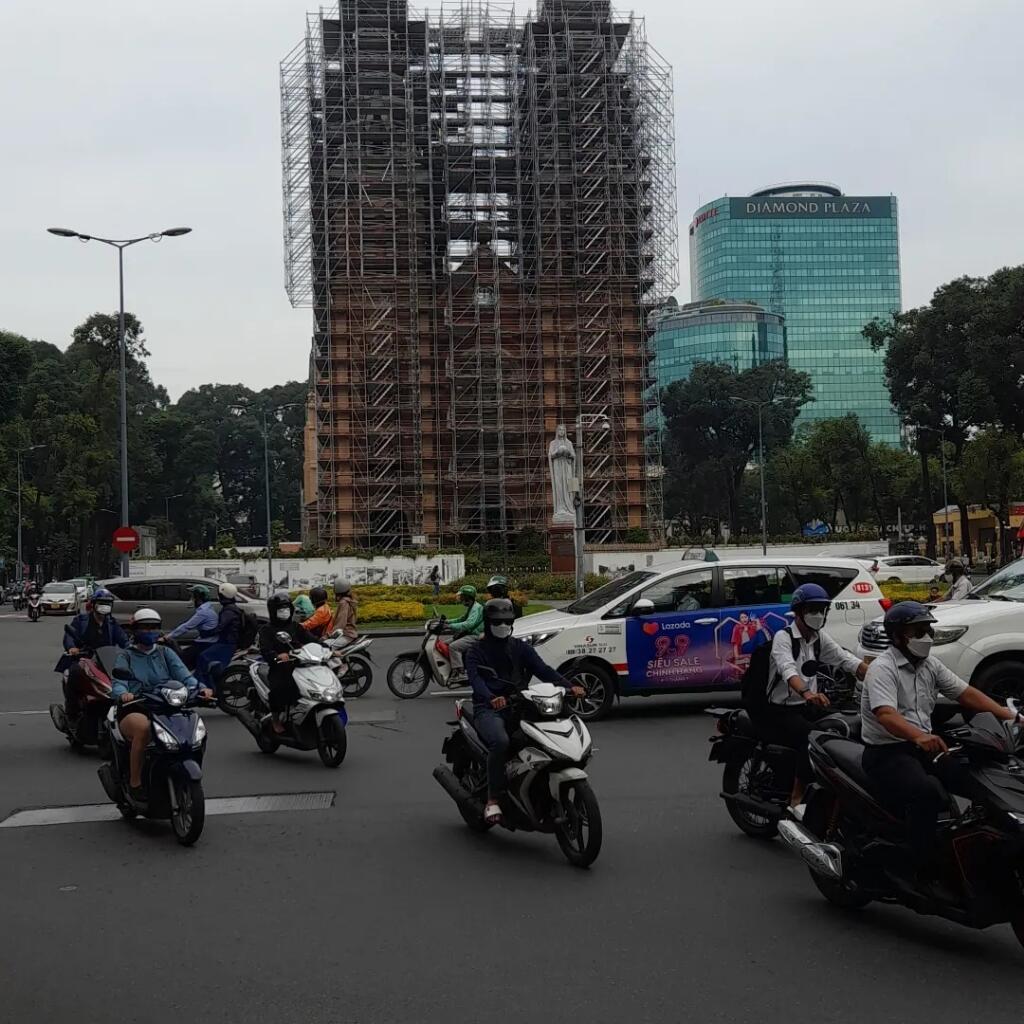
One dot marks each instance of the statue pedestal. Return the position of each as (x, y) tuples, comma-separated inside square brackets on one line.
[(561, 547)]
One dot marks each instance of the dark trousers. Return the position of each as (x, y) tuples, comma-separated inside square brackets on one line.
[(214, 653), (789, 725), (283, 690), (493, 728), (910, 781), (72, 708)]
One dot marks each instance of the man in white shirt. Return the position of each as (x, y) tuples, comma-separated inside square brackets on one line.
[(961, 584), (794, 701)]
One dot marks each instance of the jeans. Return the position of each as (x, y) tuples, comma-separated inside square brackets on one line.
[(789, 725), (214, 653), (908, 780), (493, 728)]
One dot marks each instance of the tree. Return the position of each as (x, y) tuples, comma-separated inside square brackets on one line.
[(710, 437), (991, 474)]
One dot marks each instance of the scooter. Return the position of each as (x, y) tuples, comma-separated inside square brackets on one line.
[(350, 664), (90, 693), (315, 722), (548, 789), (172, 773), (231, 684), (34, 602), (857, 850), (411, 673)]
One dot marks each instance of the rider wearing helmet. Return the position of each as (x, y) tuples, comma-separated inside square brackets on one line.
[(498, 587), (794, 700), (204, 620), (467, 629), (512, 663), (149, 665), (320, 621), (901, 755), (345, 611), (93, 629), (275, 651), (229, 629)]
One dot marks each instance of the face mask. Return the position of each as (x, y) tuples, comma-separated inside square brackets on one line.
[(284, 614), (501, 632), (147, 637), (103, 609), (814, 620), (920, 646)]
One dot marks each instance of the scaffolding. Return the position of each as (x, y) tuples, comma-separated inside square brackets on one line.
[(480, 209)]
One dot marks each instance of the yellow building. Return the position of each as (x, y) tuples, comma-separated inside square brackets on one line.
[(983, 530)]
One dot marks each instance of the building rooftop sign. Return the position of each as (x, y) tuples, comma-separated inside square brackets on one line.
[(810, 206)]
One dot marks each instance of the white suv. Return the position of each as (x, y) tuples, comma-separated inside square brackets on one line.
[(981, 639), (693, 627)]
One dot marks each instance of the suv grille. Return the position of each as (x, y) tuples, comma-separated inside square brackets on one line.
[(873, 638)]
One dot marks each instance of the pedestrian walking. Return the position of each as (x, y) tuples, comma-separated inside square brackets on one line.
[(434, 579)]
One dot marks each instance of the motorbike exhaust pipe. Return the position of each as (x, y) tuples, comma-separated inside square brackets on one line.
[(825, 859), (450, 784), (106, 774)]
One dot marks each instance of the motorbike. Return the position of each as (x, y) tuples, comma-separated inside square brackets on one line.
[(548, 789), (351, 663), (757, 777), (411, 673), (231, 684), (92, 696), (315, 722), (172, 773), (34, 604), (857, 852)]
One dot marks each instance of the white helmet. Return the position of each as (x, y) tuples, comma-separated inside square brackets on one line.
[(228, 592), (146, 617)]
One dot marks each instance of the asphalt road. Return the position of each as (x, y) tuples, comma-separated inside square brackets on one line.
[(384, 907)]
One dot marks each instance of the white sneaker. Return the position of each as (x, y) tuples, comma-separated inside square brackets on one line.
[(797, 811), (492, 813)]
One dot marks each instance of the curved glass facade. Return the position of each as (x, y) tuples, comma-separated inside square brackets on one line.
[(830, 264), (739, 333)]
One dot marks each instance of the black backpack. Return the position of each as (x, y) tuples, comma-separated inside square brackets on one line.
[(756, 682), (248, 629)]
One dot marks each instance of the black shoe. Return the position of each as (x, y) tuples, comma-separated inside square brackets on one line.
[(138, 794)]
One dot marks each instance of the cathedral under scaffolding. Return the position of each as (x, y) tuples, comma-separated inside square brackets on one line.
[(480, 209)]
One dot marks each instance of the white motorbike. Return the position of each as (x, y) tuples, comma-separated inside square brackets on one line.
[(316, 721), (351, 663), (411, 673), (548, 789)]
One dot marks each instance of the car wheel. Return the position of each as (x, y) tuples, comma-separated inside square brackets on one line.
[(600, 686), (1002, 679), (894, 579)]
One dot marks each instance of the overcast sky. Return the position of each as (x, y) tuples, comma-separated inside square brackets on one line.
[(122, 117)]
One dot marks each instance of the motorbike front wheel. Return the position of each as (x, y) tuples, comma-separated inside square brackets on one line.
[(332, 742), (188, 817), (579, 834), (749, 778), (407, 676), (359, 677), (33, 614)]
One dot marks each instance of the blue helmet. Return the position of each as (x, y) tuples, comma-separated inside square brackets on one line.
[(809, 593), (906, 613), (101, 594)]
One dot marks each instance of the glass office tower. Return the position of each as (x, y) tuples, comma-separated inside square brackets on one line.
[(827, 262)]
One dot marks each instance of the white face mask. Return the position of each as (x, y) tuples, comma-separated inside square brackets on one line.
[(920, 646), (814, 620), (502, 632), (284, 614), (102, 609)]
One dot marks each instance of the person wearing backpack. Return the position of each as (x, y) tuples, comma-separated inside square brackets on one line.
[(793, 701), (231, 624)]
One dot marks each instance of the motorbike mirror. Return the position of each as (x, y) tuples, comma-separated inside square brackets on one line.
[(810, 668), (643, 606), (284, 637), (122, 673)]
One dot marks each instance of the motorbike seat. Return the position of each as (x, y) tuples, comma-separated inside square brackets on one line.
[(848, 757)]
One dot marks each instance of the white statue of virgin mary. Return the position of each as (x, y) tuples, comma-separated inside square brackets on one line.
[(562, 464)]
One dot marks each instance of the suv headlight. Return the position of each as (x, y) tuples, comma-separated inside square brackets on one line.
[(536, 639), (948, 634)]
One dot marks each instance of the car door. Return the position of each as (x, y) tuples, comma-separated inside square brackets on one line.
[(171, 600), (753, 607), (129, 597), (671, 646)]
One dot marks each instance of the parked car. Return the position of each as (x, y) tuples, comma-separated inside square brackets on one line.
[(693, 627), (981, 639), (81, 584), (60, 597), (170, 596), (906, 569)]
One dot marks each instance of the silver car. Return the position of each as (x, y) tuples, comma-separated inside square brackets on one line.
[(62, 598)]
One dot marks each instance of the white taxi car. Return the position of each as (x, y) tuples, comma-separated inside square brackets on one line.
[(693, 627)]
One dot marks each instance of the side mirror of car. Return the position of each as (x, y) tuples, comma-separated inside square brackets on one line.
[(644, 606)]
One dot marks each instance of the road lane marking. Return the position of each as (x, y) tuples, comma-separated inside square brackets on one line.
[(78, 813), (461, 692)]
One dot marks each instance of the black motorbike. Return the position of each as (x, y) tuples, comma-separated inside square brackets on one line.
[(172, 773), (857, 851)]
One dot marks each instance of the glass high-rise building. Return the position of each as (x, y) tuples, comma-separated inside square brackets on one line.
[(827, 262)]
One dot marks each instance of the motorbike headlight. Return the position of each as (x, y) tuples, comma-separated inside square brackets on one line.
[(548, 705), (174, 695), (200, 734), (166, 738), (948, 634), (326, 693), (536, 639)]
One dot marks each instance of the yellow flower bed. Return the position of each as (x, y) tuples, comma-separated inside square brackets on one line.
[(897, 592), (390, 611)]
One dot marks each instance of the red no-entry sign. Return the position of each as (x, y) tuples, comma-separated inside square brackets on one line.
[(126, 539)]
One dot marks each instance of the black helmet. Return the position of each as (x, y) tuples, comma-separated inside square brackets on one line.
[(318, 595), (499, 613), (906, 613), (497, 586), (278, 601)]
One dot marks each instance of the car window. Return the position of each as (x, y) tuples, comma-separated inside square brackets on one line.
[(58, 588), (168, 592), (684, 592), (130, 591), (761, 585), (600, 597), (834, 579)]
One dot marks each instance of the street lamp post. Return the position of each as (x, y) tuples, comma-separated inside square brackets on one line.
[(120, 244), (592, 419), (760, 464), (19, 452)]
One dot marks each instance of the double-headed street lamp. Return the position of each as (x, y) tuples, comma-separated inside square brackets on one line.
[(760, 462), (592, 420), (240, 409), (120, 244), (19, 452)]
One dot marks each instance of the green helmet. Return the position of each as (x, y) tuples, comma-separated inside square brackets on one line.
[(200, 591), (467, 592)]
